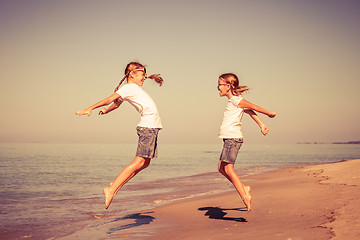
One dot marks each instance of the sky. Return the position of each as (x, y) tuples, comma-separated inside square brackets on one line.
[(300, 59)]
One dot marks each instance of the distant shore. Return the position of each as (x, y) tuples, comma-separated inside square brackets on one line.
[(302, 202), (349, 142)]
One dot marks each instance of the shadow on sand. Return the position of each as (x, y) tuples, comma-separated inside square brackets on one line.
[(219, 213), (140, 219)]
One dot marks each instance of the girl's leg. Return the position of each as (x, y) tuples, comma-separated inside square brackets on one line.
[(222, 171), (125, 175), (227, 169)]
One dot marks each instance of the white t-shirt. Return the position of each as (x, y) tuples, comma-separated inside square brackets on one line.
[(231, 123), (143, 103)]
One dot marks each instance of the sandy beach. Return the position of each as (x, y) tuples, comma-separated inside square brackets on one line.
[(303, 202)]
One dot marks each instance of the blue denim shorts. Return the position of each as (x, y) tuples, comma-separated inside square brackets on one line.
[(147, 144), (230, 149)]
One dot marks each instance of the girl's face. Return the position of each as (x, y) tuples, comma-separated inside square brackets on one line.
[(137, 77), (224, 88)]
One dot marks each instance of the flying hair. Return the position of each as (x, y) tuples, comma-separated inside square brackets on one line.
[(133, 66), (233, 81)]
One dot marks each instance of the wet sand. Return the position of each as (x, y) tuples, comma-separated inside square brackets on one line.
[(292, 203), (311, 202)]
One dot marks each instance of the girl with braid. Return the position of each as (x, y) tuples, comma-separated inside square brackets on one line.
[(147, 129), (230, 129)]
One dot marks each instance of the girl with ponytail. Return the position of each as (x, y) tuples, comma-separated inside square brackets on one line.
[(230, 129), (147, 129)]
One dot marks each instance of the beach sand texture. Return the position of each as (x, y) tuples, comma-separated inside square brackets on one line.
[(292, 203)]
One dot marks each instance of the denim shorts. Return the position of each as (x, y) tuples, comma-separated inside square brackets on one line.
[(147, 144), (230, 149)]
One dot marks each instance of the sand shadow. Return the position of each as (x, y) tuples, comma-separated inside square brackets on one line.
[(219, 213), (140, 219)]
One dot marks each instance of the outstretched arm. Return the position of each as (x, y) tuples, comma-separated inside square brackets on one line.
[(249, 106), (104, 102), (255, 117), (112, 107)]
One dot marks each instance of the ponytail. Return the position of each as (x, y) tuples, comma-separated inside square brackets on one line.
[(157, 79), (132, 66), (239, 90), (233, 81)]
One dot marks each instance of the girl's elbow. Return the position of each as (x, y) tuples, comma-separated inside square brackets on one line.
[(117, 103)]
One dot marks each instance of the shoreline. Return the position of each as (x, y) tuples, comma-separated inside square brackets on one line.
[(297, 202)]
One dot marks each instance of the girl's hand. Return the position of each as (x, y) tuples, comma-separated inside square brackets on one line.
[(84, 112), (102, 111), (264, 129), (272, 114)]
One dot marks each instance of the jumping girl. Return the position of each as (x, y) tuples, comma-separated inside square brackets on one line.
[(147, 129), (230, 129)]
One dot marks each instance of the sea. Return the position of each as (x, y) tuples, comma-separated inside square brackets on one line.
[(50, 190)]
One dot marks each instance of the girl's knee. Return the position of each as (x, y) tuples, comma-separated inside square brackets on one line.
[(143, 162), (221, 168), (146, 162)]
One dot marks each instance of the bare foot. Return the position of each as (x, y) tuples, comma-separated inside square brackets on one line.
[(109, 195), (247, 201)]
